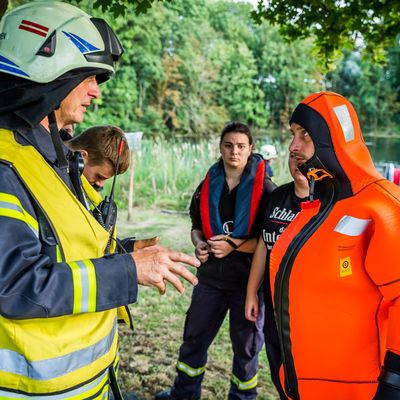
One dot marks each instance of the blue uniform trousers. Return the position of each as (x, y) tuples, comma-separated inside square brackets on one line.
[(205, 316)]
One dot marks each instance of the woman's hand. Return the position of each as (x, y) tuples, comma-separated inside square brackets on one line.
[(219, 246), (251, 307), (202, 251)]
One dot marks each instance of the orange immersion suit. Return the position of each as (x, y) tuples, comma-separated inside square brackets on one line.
[(335, 271)]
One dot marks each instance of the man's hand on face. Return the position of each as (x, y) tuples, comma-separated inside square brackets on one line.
[(156, 265)]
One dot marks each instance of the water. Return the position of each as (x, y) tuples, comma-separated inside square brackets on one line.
[(384, 149)]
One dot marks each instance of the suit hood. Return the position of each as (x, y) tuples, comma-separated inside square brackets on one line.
[(340, 150)]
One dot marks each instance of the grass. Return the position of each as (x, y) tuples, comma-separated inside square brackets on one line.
[(148, 357), (166, 174)]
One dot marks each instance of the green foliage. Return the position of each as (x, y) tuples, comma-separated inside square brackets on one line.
[(120, 7), (369, 87), (189, 67), (192, 65), (335, 25), (287, 73), (166, 174)]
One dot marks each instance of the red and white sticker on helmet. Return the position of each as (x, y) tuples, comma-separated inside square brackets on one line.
[(33, 27)]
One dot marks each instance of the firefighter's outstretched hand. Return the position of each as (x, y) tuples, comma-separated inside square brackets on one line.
[(157, 265), (142, 243)]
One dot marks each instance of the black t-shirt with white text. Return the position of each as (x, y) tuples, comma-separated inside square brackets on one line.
[(283, 207)]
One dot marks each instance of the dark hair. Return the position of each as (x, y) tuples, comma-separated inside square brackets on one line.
[(102, 144), (236, 127)]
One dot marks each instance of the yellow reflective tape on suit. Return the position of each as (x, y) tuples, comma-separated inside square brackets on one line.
[(116, 365), (85, 288), (91, 274), (250, 384), (59, 256), (11, 207), (192, 372)]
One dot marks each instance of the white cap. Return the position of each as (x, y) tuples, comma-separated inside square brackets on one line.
[(269, 151)]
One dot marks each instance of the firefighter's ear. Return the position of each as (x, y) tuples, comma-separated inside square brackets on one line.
[(85, 155)]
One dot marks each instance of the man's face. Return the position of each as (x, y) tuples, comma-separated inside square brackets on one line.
[(74, 105), (301, 147), (98, 174)]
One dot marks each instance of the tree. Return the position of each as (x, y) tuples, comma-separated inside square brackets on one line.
[(287, 73), (369, 87), (119, 7), (335, 24)]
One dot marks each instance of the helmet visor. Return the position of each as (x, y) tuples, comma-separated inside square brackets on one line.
[(113, 49)]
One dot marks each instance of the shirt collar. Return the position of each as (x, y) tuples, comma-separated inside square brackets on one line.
[(40, 138)]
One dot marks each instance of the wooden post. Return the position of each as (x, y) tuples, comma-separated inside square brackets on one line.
[(134, 140), (130, 196)]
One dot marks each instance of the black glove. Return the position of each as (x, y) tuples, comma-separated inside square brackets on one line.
[(389, 379)]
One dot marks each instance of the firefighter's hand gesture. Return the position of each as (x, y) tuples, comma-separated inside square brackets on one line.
[(156, 265), (142, 243)]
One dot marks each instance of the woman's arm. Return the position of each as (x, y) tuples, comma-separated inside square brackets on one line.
[(254, 282), (222, 245)]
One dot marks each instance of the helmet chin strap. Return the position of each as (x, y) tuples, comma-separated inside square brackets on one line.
[(62, 161)]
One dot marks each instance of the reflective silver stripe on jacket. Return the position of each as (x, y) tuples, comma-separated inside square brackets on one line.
[(85, 287), (13, 362), (351, 226), (91, 389), (11, 207)]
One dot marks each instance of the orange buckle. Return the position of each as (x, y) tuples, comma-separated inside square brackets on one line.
[(318, 174)]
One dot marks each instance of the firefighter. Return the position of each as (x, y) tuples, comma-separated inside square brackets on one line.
[(59, 293)]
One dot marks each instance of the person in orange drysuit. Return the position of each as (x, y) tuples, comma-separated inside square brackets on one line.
[(335, 271)]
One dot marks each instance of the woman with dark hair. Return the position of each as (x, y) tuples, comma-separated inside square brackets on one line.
[(227, 210)]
